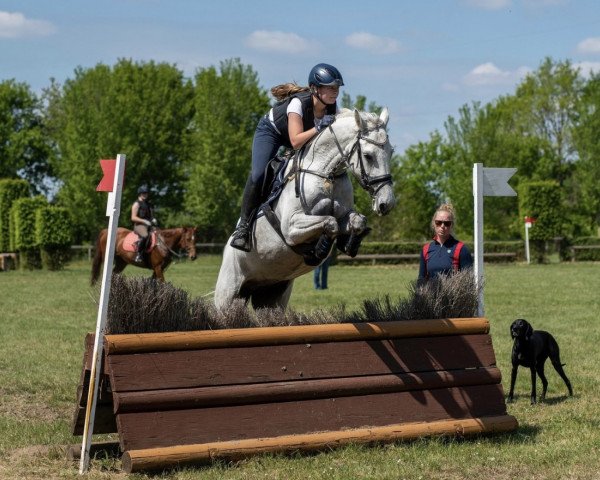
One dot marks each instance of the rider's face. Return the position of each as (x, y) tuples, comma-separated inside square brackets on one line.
[(329, 94)]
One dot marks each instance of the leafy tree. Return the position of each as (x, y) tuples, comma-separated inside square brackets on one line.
[(588, 167), (548, 100), (24, 144), (419, 184), (140, 109), (228, 104), (360, 103)]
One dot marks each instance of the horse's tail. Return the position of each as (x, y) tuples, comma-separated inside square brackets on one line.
[(98, 258)]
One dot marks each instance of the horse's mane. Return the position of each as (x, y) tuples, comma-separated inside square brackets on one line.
[(372, 119)]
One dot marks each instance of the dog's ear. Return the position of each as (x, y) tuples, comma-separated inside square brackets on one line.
[(528, 330)]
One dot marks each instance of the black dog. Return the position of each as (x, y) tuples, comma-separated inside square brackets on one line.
[(531, 348)]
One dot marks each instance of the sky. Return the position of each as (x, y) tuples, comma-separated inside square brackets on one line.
[(423, 59)]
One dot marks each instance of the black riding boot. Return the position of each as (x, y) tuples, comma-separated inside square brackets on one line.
[(250, 202), (139, 250)]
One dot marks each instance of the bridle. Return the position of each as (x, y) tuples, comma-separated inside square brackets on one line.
[(160, 241), (370, 184)]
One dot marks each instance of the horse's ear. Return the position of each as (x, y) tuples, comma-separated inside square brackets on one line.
[(384, 116), (360, 123)]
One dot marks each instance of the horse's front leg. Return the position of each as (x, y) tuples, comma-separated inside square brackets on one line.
[(158, 273), (353, 229), (303, 228)]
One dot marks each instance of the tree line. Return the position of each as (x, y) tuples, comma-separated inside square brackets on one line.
[(190, 140)]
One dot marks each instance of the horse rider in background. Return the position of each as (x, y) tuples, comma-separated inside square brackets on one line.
[(299, 115), (142, 216)]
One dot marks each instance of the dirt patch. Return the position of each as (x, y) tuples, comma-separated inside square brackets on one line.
[(25, 406)]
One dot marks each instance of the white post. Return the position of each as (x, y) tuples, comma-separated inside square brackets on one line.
[(113, 209), (478, 233), (527, 225)]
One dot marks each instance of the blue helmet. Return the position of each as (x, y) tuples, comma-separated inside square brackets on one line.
[(324, 74), (143, 189)]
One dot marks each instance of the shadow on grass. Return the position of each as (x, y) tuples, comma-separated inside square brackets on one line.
[(547, 401)]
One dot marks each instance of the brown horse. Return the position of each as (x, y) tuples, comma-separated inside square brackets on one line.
[(158, 259)]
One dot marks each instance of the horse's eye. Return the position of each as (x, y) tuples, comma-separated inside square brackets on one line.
[(369, 157)]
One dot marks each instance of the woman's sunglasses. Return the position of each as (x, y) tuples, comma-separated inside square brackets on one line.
[(446, 223)]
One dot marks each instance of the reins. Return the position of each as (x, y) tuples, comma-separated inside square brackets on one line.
[(366, 182), (160, 241)]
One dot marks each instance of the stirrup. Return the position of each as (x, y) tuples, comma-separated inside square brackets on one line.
[(241, 238)]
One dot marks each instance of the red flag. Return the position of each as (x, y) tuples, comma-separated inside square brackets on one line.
[(108, 168)]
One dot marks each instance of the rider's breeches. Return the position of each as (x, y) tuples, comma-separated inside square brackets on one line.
[(265, 145), (141, 230)]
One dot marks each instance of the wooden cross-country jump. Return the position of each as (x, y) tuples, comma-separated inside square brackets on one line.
[(191, 397)]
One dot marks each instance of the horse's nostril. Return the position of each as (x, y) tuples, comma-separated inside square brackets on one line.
[(383, 207)]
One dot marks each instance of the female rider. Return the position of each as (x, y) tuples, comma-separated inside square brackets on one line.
[(300, 114)]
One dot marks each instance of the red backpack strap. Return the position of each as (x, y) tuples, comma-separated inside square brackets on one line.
[(425, 252), (456, 256)]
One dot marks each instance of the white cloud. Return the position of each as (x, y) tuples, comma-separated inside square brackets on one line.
[(587, 68), (372, 43), (589, 45), (15, 24), (276, 41), (489, 74), (489, 4)]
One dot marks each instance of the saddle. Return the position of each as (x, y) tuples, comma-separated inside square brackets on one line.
[(129, 243)]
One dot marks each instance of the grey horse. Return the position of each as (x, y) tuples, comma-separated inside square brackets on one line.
[(317, 201)]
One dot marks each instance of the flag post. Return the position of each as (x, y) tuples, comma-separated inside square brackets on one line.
[(112, 182), (478, 233), (528, 223), (487, 182)]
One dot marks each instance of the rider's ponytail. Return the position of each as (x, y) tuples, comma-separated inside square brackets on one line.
[(283, 91)]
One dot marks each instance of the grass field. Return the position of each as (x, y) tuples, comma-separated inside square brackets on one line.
[(44, 317)]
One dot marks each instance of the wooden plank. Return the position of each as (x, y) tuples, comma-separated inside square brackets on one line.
[(245, 365), (154, 342), (299, 390), (142, 430), (169, 457)]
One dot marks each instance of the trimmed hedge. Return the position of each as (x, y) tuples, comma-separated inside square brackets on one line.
[(10, 190), (53, 229), (23, 231)]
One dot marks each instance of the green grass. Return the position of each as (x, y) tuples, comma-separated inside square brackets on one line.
[(44, 317)]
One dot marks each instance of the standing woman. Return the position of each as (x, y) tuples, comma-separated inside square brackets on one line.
[(300, 114), (445, 254)]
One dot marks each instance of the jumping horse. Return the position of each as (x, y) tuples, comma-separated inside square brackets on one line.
[(315, 205), (164, 246)]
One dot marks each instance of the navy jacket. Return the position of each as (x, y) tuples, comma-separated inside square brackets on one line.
[(439, 258)]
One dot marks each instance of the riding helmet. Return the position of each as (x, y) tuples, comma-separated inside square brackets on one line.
[(324, 74), (143, 189)]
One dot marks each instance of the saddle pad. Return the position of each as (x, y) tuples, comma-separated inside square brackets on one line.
[(132, 237)]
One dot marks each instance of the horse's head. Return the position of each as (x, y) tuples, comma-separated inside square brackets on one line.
[(188, 242), (369, 157)]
